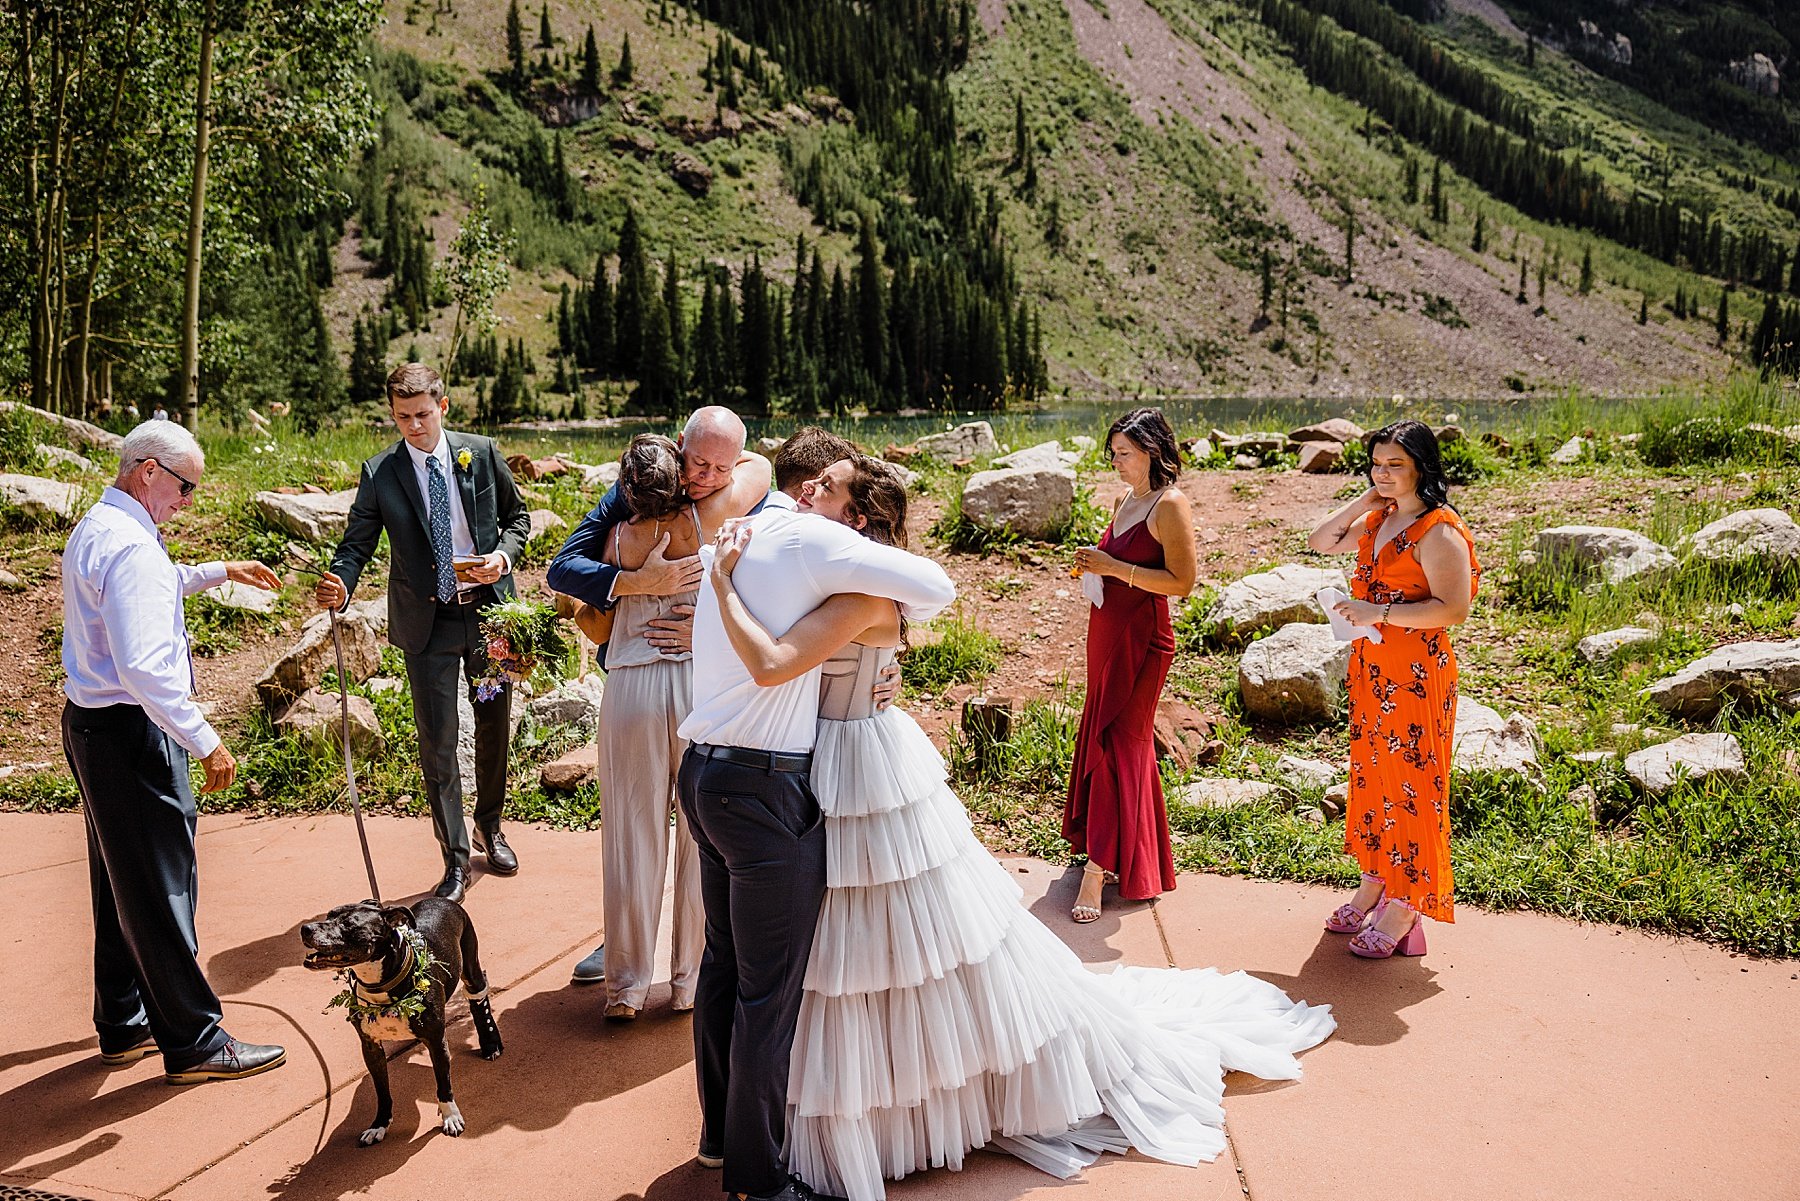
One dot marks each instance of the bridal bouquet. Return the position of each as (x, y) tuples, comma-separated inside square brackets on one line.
[(519, 634)]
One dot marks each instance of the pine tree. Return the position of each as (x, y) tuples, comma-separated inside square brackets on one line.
[(599, 340), (708, 375), (1479, 242), (1440, 211), (1349, 243), (1680, 303), (1543, 274), (1030, 180), (1268, 284), (756, 341), (590, 64), (1530, 51), (621, 74), (632, 296), (1763, 342), (515, 45), (671, 298), (1019, 134), (545, 38), (1644, 310), (872, 322), (565, 323), (1722, 323), (1410, 176), (1794, 276), (658, 372), (1519, 297), (1587, 270), (1054, 234)]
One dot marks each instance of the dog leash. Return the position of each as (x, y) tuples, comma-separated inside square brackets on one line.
[(362, 835), (309, 564)]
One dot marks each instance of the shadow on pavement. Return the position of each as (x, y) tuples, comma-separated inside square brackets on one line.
[(560, 1055), (1088, 940), (687, 1181), (67, 1104), (1365, 995)]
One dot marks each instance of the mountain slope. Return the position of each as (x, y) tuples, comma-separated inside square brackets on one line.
[(1181, 157)]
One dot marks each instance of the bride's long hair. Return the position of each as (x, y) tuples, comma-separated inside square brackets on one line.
[(878, 497)]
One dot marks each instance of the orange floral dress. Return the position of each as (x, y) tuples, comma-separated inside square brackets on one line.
[(1402, 694)]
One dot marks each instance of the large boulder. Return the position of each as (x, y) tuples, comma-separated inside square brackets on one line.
[(971, 440), (1332, 429), (244, 597), (81, 433), (1757, 73), (1750, 672), (1044, 454), (544, 522), (313, 516), (1487, 742), (317, 717), (1600, 648), (571, 769), (465, 728), (1765, 536), (37, 499), (1596, 555), (1032, 502), (1219, 792), (1295, 674), (1316, 458), (1269, 600), (572, 703), (64, 457), (305, 663), (1692, 757), (601, 476)]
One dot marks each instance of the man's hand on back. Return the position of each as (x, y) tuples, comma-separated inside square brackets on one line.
[(672, 634), (659, 576), (887, 686)]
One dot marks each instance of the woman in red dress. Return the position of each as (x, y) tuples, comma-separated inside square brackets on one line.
[(1115, 814)]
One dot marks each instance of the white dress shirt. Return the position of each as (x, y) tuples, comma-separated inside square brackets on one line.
[(780, 500), (124, 640), (462, 542), (793, 563)]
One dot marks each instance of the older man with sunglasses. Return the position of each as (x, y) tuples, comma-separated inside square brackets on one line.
[(129, 728)]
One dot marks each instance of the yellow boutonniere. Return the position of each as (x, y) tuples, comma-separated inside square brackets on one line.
[(464, 458)]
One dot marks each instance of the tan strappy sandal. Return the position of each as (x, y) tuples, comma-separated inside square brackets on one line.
[(1083, 914)]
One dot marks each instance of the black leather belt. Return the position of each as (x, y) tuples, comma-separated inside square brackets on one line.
[(461, 600), (744, 756)]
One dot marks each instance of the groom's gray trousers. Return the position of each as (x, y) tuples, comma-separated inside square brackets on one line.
[(762, 878)]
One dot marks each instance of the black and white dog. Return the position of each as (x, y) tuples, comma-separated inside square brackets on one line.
[(402, 965)]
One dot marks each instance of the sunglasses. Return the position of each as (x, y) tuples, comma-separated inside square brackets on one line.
[(187, 485)]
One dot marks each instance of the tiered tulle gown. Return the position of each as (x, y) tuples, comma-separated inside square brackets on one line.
[(940, 1016)]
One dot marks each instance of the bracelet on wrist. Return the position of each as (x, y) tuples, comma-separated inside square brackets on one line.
[(1385, 610)]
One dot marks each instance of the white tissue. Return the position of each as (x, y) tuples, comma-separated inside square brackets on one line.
[(1093, 588), (1342, 629)]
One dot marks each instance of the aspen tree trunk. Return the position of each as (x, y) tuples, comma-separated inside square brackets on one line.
[(190, 314)]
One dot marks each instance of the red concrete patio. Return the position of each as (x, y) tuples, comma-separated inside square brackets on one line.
[(1524, 1057)]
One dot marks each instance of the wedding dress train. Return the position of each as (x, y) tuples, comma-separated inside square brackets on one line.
[(940, 1016)]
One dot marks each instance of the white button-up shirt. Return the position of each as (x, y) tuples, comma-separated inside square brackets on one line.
[(462, 543), (124, 640), (793, 563)]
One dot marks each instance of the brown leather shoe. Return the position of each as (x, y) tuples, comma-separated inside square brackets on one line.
[(233, 1061)]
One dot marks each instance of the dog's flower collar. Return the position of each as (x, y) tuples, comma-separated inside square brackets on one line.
[(414, 976)]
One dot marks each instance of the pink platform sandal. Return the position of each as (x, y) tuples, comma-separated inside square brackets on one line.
[(1376, 944), (1348, 919)]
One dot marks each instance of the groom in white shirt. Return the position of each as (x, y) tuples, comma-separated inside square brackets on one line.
[(744, 788)]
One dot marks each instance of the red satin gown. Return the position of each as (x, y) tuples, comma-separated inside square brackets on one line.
[(1115, 812)]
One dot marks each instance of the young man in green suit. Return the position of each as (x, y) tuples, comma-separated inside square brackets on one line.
[(442, 498)]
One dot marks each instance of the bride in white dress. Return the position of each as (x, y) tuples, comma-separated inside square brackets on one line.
[(939, 1015)]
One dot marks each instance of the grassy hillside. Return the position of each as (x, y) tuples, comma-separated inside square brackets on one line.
[(1181, 164)]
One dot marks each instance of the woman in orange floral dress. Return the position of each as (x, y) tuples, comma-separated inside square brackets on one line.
[(1416, 576)]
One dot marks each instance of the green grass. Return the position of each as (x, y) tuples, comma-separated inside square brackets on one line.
[(961, 653)]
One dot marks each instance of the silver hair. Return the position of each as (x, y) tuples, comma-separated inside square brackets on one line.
[(716, 419), (168, 442)]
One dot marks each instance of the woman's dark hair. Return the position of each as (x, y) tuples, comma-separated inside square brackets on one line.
[(1149, 430), (1421, 446), (650, 478), (879, 497)]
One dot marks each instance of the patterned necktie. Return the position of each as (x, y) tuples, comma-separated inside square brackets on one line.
[(440, 530)]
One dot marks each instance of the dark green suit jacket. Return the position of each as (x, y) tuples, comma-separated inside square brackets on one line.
[(387, 498)]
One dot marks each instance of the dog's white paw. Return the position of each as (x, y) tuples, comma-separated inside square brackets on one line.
[(371, 1136), (453, 1119)]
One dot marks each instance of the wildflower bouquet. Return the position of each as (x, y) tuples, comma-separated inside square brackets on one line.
[(519, 634)]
